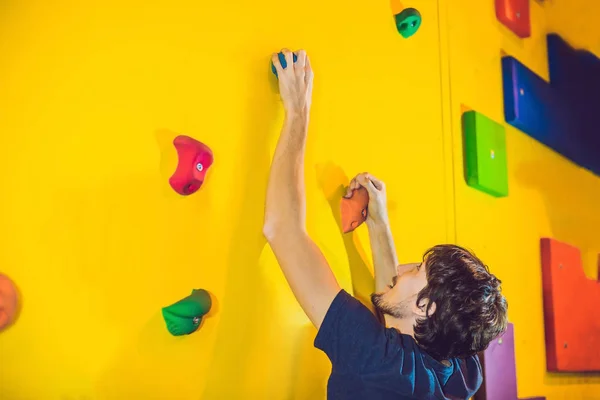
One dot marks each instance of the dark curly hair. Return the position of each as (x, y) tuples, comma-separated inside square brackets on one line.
[(470, 310)]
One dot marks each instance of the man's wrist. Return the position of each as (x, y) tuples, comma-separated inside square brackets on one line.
[(297, 114)]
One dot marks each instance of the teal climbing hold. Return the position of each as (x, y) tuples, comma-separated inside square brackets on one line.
[(283, 63), (184, 317), (408, 22)]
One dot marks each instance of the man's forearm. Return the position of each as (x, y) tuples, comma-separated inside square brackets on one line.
[(301, 261), (385, 260), (286, 199)]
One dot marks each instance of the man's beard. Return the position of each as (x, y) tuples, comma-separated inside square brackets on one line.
[(399, 310)]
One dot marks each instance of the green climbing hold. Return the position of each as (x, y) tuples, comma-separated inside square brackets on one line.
[(184, 317), (485, 154), (408, 22)]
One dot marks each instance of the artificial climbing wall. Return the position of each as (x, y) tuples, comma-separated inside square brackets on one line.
[(548, 195), (93, 94)]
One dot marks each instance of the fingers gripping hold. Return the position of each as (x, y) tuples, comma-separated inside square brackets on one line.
[(301, 60), (289, 56), (279, 62)]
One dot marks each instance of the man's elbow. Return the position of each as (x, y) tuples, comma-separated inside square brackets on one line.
[(269, 231), (276, 231), (272, 228)]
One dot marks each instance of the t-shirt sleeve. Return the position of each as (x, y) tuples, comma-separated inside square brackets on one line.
[(466, 378), (351, 335)]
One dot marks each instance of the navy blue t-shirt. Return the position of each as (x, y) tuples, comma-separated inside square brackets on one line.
[(370, 361)]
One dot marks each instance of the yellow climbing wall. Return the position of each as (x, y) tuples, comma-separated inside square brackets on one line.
[(548, 196), (91, 96)]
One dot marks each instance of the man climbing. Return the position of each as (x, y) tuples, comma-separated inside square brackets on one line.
[(438, 313)]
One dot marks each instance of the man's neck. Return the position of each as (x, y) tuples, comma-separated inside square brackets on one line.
[(404, 325)]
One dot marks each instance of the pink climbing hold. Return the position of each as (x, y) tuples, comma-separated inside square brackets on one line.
[(8, 302), (194, 160), (500, 369)]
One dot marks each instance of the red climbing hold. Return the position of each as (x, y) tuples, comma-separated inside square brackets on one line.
[(194, 160), (514, 14)]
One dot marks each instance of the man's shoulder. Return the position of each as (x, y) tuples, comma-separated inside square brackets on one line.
[(407, 368), (359, 345)]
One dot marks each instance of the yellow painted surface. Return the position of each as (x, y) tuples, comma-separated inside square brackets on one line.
[(548, 196), (91, 96)]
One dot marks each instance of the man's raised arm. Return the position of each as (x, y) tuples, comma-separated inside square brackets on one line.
[(301, 261)]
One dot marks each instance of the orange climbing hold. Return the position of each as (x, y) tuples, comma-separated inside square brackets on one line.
[(397, 6), (354, 209), (571, 313)]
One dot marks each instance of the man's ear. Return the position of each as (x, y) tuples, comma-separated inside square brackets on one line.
[(421, 308)]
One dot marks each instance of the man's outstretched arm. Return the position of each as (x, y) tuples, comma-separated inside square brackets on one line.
[(301, 261)]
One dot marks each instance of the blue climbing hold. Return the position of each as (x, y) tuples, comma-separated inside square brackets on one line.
[(562, 114), (531, 105), (283, 63)]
